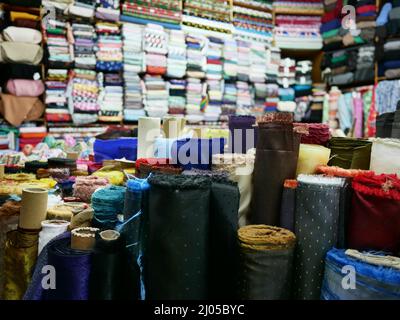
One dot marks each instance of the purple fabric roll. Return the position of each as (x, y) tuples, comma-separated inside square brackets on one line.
[(242, 133)]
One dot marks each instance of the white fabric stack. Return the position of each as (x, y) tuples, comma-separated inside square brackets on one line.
[(176, 62)]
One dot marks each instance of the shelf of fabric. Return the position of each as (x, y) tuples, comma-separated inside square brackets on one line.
[(206, 24), (299, 12), (252, 5), (146, 21), (209, 9)]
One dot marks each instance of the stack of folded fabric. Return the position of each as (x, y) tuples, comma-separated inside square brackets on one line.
[(341, 65), (176, 62), (243, 68), (111, 97), (31, 135), (298, 31), (218, 10), (83, 102), (273, 62), (272, 99), (258, 59), (229, 99), (108, 10), (286, 100), (333, 35), (314, 7), (177, 96), (155, 96), (389, 62), (59, 54), (133, 65), (245, 99), (195, 91), (365, 18), (230, 55), (215, 92), (303, 84), (8, 138), (252, 22), (82, 9), (84, 46), (20, 59), (314, 112), (156, 48), (365, 69), (56, 96), (166, 12), (287, 72), (109, 45), (196, 56), (302, 105)]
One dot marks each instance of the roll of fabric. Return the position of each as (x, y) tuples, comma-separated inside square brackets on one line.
[(33, 166), (315, 133), (316, 228), (240, 169), (311, 156), (288, 204), (33, 208), (82, 219), (60, 211), (223, 259), (266, 254), (148, 130), (276, 160), (20, 256), (376, 276), (178, 211), (374, 217), (50, 230), (107, 204), (385, 155), (350, 153), (72, 271), (196, 153), (61, 163), (242, 133), (84, 187), (108, 267), (83, 238)]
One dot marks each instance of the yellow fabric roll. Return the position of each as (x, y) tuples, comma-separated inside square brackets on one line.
[(310, 157), (14, 15), (63, 212), (20, 256), (115, 177)]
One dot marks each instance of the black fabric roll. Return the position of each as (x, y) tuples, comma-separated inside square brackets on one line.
[(33, 166), (109, 267), (61, 163), (288, 205), (266, 262), (276, 160), (25, 3), (316, 229), (177, 249), (223, 262), (18, 71)]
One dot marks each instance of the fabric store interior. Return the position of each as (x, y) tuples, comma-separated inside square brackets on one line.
[(199, 149)]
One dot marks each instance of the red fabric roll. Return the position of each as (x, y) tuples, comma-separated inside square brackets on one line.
[(366, 8), (375, 213)]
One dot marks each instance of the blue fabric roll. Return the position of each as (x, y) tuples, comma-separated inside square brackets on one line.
[(372, 282), (196, 153), (334, 24), (115, 149)]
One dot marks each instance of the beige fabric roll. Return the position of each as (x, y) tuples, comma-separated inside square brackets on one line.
[(19, 52), (310, 157), (19, 34), (148, 130), (173, 126), (83, 238), (385, 156), (240, 168), (33, 208)]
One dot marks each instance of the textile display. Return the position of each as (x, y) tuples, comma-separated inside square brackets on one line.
[(316, 229), (178, 210), (276, 160), (350, 153), (267, 255)]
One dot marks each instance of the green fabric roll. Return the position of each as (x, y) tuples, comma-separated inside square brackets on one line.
[(349, 153)]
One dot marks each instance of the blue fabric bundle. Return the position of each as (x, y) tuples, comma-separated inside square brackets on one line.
[(196, 153), (372, 282), (115, 149), (107, 203)]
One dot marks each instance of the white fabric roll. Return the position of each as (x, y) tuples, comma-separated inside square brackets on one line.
[(148, 130), (385, 156), (19, 34), (50, 230)]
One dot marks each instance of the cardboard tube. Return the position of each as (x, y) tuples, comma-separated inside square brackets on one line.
[(33, 208), (148, 130), (83, 238), (173, 126)]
